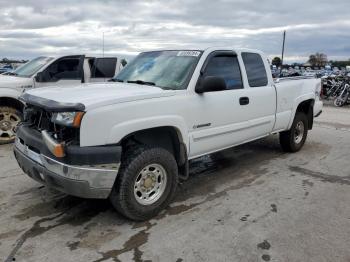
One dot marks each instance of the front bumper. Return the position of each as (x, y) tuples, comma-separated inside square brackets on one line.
[(89, 180)]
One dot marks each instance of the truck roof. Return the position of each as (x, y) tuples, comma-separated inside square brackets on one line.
[(212, 48), (86, 55), (238, 50)]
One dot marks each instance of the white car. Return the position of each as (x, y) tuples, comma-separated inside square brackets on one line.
[(131, 141), (48, 71)]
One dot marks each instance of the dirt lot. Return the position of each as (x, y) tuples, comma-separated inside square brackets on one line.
[(250, 203)]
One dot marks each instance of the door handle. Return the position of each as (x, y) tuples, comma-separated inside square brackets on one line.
[(244, 100)]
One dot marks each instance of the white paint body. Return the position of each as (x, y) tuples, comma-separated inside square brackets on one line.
[(14, 86), (114, 110)]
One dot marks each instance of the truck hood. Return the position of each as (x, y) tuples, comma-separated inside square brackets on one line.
[(14, 82), (95, 95)]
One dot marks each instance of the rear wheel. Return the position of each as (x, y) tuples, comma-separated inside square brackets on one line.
[(9, 119), (146, 183), (294, 139)]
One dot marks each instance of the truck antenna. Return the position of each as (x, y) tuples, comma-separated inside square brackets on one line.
[(103, 44)]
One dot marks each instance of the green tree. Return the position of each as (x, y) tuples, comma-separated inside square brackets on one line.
[(277, 61)]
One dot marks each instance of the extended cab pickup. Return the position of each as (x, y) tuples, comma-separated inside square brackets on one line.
[(131, 140), (48, 71)]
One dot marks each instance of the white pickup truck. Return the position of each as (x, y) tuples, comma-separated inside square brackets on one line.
[(131, 140), (48, 71)]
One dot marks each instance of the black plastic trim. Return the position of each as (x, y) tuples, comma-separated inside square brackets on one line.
[(318, 114), (75, 155), (51, 105)]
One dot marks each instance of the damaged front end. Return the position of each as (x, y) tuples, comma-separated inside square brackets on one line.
[(48, 149)]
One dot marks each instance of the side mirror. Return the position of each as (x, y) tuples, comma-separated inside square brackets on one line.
[(211, 84), (39, 77)]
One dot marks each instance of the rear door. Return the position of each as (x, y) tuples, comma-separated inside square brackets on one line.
[(261, 95), (103, 69), (67, 70)]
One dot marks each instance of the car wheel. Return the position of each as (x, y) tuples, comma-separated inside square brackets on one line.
[(146, 183), (9, 119), (294, 139)]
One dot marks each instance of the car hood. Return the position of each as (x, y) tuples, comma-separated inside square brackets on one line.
[(98, 94), (14, 81)]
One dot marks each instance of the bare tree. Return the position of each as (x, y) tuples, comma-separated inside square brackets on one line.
[(318, 59)]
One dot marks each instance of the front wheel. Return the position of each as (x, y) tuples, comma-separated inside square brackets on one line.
[(294, 139), (9, 119), (146, 183), (341, 100)]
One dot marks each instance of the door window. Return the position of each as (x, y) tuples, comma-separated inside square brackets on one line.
[(226, 67), (66, 68), (103, 68), (255, 68)]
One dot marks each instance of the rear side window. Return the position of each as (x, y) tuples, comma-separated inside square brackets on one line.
[(255, 69), (103, 68), (226, 67)]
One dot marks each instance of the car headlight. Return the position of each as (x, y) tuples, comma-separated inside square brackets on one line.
[(71, 119)]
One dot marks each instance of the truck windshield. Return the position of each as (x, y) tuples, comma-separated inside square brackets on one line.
[(30, 68), (164, 69)]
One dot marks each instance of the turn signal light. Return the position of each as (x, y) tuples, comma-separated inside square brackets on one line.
[(77, 119), (58, 150)]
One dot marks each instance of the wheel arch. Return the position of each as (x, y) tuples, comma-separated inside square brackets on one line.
[(305, 105), (167, 137), (12, 102)]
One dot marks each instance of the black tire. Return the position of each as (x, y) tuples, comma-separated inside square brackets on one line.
[(123, 197), (9, 119), (341, 100), (289, 140)]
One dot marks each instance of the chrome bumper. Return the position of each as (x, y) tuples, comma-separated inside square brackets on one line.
[(82, 181)]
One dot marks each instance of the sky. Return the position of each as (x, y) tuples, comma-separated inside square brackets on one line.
[(42, 27)]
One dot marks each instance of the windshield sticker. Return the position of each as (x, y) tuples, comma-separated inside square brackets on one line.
[(188, 53)]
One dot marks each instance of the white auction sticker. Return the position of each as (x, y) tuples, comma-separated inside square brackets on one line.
[(188, 53)]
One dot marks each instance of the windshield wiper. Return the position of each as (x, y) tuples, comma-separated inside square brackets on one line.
[(115, 80), (141, 82)]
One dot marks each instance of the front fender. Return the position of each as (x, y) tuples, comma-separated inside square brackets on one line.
[(10, 92), (120, 130)]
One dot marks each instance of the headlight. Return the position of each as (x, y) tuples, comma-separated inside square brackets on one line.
[(71, 119)]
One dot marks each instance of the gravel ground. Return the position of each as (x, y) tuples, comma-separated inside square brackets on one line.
[(249, 203)]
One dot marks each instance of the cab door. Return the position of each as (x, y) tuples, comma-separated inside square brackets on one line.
[(65, 71), (240, 113), (218, 118)]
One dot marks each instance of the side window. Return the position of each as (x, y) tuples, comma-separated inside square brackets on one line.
[(226, 67), (103, 67), (66, 68), (255, 68)]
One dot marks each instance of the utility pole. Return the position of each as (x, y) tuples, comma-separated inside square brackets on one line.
[(284, 40), (103, 44)]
